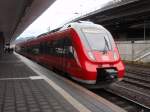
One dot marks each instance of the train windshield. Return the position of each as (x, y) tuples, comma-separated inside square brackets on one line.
[(97, 39)]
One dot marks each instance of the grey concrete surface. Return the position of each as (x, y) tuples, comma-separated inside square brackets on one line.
[(19, 93), (134, 51)]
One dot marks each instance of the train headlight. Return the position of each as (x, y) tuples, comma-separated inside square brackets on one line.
[(115, 56), (91, 55)]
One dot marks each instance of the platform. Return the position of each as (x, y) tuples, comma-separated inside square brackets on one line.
[(26, 86)]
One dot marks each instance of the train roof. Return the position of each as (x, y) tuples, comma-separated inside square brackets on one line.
[(75, 25), (80, 24), (72, 25)]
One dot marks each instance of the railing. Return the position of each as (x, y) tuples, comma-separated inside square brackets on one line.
[(142, 54), (134, 51)]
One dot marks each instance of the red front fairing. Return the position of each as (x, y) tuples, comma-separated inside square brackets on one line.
[(88, 68), (90, 71)]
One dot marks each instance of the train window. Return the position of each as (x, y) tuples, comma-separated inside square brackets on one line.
[(67, 42), (53, 49), (42, 48), (23, 49), (58, 47), (35, 50), (61, 47), (97, 39), (28, 49), (48, 47), (68, 48), (45, 48)]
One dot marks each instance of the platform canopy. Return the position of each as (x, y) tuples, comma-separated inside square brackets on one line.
[(124, 12), (16, 15)]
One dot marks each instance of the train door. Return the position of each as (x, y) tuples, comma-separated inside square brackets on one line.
[(43, 52), (67, 55), (59, 47), (64, 58)]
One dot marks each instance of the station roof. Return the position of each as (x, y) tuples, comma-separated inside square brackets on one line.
[(111, 5), (16, 15), (122, 12)]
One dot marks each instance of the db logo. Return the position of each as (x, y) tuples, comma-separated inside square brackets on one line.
[(106, 58)]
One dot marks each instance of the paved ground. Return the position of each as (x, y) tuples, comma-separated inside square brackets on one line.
[(18, 93)]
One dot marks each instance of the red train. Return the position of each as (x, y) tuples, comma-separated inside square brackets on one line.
[(85, 51)]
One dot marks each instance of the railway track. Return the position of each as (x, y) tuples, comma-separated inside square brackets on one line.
[(137, 82), (138, 78), (139, 72), (123, 101), (138, 69), (136, 94), (131, 105)]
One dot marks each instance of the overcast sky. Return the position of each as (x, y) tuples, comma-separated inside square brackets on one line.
[(59, 13)]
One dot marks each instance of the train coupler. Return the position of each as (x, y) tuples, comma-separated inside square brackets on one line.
[(107, 74)]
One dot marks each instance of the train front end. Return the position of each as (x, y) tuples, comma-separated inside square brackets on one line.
[(103, 64)]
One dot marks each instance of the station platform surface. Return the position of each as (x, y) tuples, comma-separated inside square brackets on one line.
[(26, 86)]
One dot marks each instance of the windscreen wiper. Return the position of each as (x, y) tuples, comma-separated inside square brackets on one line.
[(106, 46)]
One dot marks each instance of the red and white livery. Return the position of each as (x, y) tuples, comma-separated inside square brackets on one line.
[(84, 50)]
